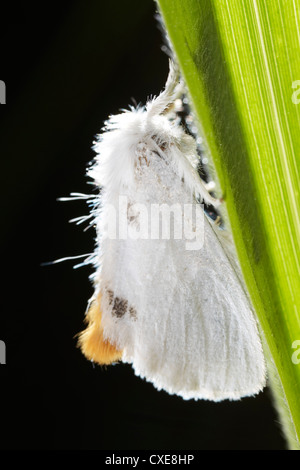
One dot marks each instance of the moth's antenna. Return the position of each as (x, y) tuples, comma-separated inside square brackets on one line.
[(173, 89)]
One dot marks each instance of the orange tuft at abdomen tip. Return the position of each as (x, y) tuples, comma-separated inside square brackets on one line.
[(91, 341)]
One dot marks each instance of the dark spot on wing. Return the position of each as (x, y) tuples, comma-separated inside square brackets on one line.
[(132, 312), (110, 296), (120, 307), (162, 146)]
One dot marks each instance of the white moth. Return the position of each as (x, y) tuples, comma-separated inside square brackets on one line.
[(180, 316)]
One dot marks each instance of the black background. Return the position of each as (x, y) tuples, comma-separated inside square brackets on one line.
[(67, 66)]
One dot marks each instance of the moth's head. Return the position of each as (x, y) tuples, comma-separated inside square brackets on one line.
[(168, 133)]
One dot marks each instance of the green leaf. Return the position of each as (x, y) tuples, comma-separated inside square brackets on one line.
[(240, 60)]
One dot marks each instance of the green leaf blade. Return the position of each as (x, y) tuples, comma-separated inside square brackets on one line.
[(239, 59)]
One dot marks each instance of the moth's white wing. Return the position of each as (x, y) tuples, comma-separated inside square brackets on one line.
[(181, 317)]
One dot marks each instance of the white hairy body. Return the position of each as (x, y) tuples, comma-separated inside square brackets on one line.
[(181, 317)]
